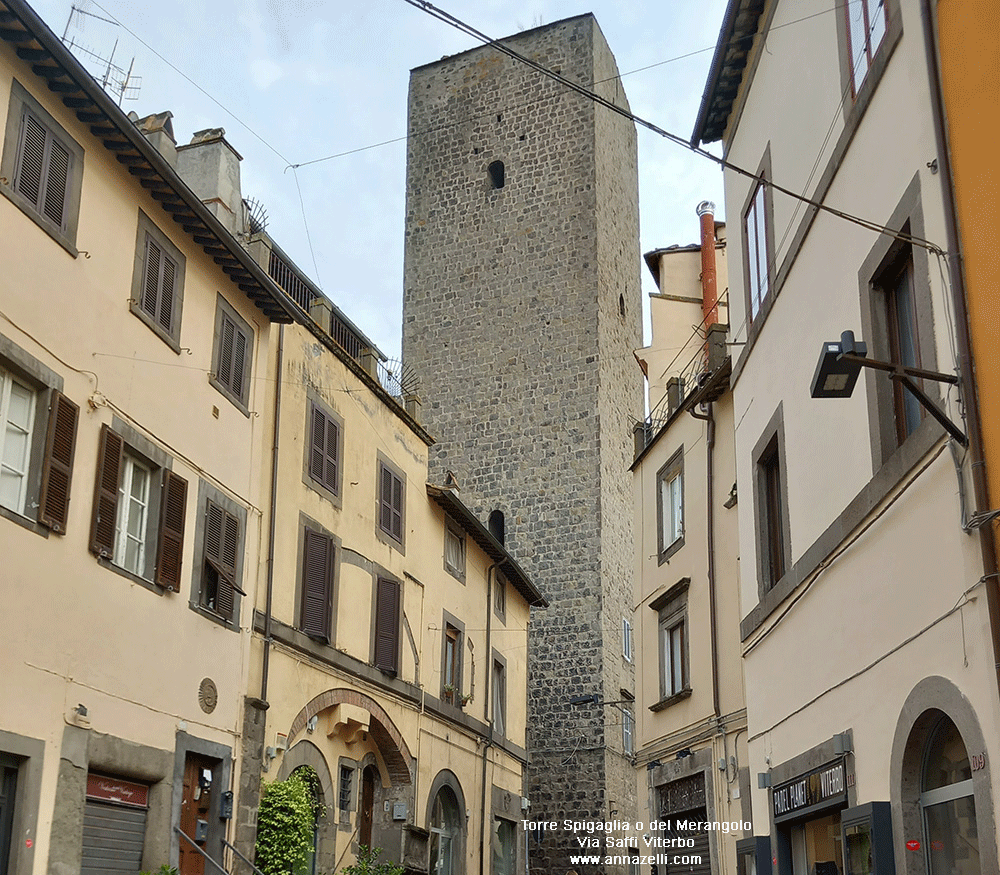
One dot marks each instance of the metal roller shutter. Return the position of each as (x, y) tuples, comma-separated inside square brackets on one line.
[(113, 837), (701, 852)]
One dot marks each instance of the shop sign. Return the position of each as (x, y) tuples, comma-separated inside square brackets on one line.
[(116, 790), (825, 784)]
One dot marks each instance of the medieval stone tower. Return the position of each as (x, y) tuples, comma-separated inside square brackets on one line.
[(521, 311)]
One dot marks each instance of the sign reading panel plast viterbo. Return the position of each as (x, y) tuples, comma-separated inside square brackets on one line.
[(826, 785)]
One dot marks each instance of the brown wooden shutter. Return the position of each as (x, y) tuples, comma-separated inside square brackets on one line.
[(109, 465), (225, 373), (387, 625), (57, 467), (222, 539), (323, 450), (385, 500), (317, 584), (165, 314), (397, 508), (56, 182), (151, 276), (170, 543)]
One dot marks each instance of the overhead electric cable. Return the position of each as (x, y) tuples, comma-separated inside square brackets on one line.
[(458, 24)]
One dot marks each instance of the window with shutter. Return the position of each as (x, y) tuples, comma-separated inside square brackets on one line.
[(317, 585), (324, 450), (17, 423), (499, 697), (57, 467), (391, 497), (454, 550), (139, 507), (387, 625), (233, 348), (221, 553), (44, 167), (158, 282)]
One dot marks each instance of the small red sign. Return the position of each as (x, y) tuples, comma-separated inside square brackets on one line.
[(28, 843), (937, 845), (913, 845), (117, 790)]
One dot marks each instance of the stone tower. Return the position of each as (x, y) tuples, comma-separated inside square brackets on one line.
[(521, 311)]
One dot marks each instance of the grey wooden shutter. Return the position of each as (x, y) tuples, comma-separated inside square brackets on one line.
[(43, 170), (232, 370), (387, 625), (170, 543), (168, 276), (317, 584), (57, 467), (109, 464), (323, 453), (222, 531), (225, 370), (391, 504), (397, 508)]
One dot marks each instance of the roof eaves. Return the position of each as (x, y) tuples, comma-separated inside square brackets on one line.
[(451, 503), (233, 259)]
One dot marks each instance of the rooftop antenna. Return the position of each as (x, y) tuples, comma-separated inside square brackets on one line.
[(113, 79)]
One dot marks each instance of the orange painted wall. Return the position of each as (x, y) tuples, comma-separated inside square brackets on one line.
[(969, 33)]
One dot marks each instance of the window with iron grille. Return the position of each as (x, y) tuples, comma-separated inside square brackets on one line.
[(45, 167), (158, 282), (345, 788), (233, 355)]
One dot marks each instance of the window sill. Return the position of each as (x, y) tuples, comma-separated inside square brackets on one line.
[(671, 550), (388, 539), (224, 390), (56, 234), (673, 699), (128, 575), (209, 614), (23, 521), (154, 326)]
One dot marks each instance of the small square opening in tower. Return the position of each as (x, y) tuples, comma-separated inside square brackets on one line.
[(496, 172)]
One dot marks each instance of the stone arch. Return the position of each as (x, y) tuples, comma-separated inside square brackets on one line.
[(927, 701), (447, 779), (305, 753), (392, 746)]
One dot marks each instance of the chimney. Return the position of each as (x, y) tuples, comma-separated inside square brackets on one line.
[(159, 130), (709, 283), (211, 167)]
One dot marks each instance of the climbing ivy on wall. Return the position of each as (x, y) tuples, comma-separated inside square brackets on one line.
[(285, 822)]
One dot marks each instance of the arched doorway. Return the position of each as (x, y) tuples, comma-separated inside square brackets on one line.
[(947, 803), (308, 776), (445, 833)]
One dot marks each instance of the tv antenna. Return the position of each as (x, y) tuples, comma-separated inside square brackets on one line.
[(113, 79)]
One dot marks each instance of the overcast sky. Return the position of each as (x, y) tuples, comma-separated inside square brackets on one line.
[(296, 80)]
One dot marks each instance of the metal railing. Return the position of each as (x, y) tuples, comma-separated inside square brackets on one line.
[(244, 859), (194, 845)]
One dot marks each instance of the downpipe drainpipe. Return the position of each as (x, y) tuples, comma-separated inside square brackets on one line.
[(266, 663), (487, 698), (709, 418), (987, 539)]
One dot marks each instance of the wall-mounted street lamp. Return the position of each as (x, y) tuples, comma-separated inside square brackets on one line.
[(840, 364)]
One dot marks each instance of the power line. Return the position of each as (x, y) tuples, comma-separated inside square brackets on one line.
[(458, 24)]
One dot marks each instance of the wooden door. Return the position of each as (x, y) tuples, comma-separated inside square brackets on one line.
[(367, 807), (195, 804)]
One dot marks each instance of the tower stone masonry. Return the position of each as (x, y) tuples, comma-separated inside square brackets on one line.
[(521, 313)]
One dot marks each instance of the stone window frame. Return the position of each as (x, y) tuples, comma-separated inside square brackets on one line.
[(771, 444), (499, 696), (307, 522), (383, 462), (500, 587), (313, 399), (43, 381), (349, 765), (27, 756), (755, 321), (240, 400), (673, 467), (451, 621), (22, 101), (146, 228), (454, 530), (884, 254), (671, 609), (207, 492), (856, 99), (159, 463)]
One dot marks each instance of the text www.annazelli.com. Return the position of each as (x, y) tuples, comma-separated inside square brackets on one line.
[(640, 859)]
